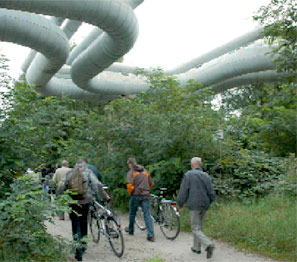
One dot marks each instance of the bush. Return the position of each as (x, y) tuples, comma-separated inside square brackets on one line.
[(248, 174), (23, 235)]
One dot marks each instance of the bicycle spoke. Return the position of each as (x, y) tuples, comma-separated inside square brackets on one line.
[(139, 219), (94, 226), (115, 236), (169, 222)]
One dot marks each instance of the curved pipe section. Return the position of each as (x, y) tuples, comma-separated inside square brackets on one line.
[(48, 40), (114, 17), (57, 21), (93, 35)]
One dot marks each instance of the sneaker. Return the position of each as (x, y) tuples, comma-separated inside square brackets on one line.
[(78, 258), (151, 239), (196, 251), (209, 251)]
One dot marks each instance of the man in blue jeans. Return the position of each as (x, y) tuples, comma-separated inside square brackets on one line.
[(139, 183)]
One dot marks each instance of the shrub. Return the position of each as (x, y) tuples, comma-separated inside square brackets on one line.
[(23, 235), (248, 174)]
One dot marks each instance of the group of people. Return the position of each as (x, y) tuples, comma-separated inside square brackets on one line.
[(196, 191)]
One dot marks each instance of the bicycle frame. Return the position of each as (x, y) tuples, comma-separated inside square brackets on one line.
[(157, 204)]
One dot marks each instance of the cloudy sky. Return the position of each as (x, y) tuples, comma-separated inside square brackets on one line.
[(172, 32)]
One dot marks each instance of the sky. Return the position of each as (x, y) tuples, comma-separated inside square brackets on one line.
[(171, 32)]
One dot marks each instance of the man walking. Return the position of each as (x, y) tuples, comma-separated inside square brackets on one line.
[(197, 191), (84, 183), (59, 178), (139, 183)]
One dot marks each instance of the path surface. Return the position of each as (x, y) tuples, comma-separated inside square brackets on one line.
[(138, 249)]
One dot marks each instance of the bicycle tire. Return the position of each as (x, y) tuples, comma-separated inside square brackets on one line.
[(115, 236), (169, 222), (139, 219), (94, 226)]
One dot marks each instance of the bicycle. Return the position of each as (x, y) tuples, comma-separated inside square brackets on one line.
[(164, 213), (102, 221)]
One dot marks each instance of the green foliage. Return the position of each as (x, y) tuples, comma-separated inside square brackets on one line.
[(23, 235), (280, 20), (266, 225), (266, 118), (168, 173), (248, 174)]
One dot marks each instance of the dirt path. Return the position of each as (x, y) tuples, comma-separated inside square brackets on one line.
[(137, 248)]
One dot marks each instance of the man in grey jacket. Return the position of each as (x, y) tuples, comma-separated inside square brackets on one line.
[(196, 190), (79, 214)]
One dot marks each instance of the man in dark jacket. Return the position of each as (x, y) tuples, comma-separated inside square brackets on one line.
[(196, 190)]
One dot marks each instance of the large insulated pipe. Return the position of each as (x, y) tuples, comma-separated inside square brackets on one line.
[(114, 17), (269, 76), (238, 42), (246, 60), (93, 35), (41, 35), (57, 21)]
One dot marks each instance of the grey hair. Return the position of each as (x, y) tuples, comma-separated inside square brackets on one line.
[(65, 163), (196, 161)]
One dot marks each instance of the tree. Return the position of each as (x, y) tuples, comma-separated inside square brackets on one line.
[(266, 117), (280, 20)]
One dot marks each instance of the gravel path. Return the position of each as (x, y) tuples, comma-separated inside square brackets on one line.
[(137, 248)]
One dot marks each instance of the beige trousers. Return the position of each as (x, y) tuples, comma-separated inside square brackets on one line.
[(197, 217)]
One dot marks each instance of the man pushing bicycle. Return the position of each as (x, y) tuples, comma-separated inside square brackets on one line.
[(139, 183)]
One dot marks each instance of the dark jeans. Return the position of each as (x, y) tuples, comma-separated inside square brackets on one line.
[(144, 202), (79, 226)]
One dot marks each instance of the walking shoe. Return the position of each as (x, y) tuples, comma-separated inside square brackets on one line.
[(151, 239), (61, 218), (209, 251), (78, 258), (127, 231), (196, 251)]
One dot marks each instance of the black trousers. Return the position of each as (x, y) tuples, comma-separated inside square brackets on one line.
[(79, 225)]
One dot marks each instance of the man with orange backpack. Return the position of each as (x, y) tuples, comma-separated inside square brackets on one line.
[(139, 183)]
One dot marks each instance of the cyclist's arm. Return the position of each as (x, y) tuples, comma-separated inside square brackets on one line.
[(130, 183)]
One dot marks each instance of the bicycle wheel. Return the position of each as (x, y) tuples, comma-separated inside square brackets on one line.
[(169, 222), (115, 236), (139, 219), (94, 225)]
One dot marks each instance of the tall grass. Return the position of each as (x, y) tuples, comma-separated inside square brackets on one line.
[(267, 226)]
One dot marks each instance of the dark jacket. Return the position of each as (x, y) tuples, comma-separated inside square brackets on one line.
[(196, 190), (95, 171)]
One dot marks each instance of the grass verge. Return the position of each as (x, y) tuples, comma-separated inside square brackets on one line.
[(266, 226)]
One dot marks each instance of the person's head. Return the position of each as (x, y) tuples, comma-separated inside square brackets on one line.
[(65, 163), (131, 162), (196, 162), (81, 164)]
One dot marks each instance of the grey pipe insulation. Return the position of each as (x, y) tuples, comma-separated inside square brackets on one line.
[(86, 76)]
